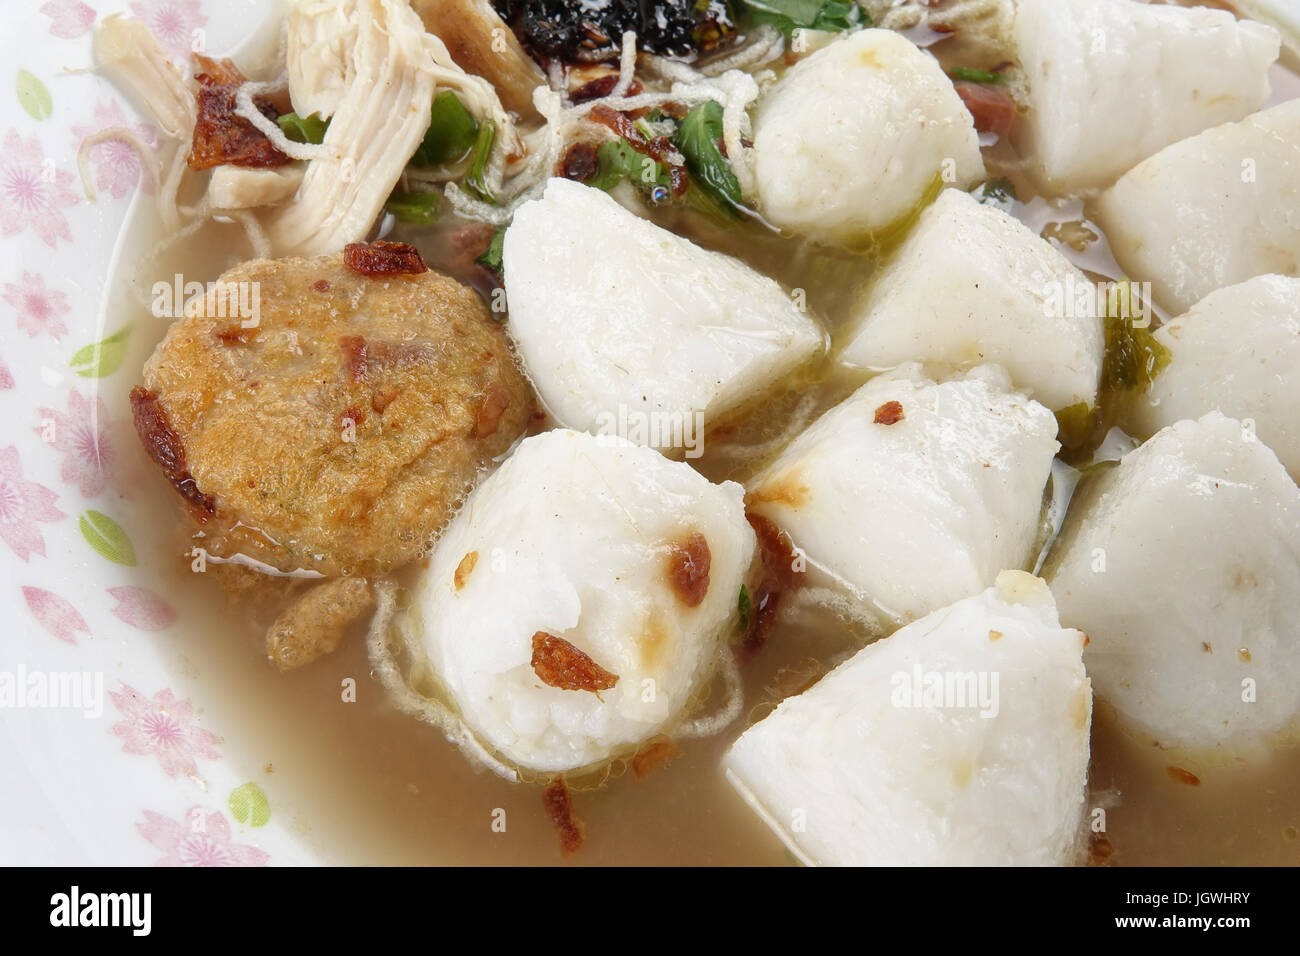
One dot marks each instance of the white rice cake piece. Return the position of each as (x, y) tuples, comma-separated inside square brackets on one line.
[(1237, 351), (1113, 81), (971, 284), (1212, 210), (1182, 564), (576, 536), (911, 516), (851, 139), (614, 316), (962, 740)]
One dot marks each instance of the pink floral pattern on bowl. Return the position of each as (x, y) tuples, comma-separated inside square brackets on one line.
[(55, 614), (81, 596), (114, 163), (165, 728), (33, 192), (204, 841), (69, 19), (23, 506), (81, 437), (39, 309)]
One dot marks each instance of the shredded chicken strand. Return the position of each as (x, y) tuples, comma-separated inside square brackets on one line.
[(149, 164), (247, 109)]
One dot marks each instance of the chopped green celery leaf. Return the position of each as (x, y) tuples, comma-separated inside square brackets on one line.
[(420, 209), (619, 161), (452, 132), (492, 257), (474, 182), (698, 140), (1075, 424), (789, 15), (303, 129), (977, 76), (1133, 355), (1133, 359)]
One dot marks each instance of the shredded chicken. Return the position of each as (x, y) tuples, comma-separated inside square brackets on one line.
[(129, 55), (372, 68), (235, 187)]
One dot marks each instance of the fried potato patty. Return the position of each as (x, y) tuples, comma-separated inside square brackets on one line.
[(340, 432)]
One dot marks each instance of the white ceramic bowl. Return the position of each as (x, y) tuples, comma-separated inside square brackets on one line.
[(152, 773)]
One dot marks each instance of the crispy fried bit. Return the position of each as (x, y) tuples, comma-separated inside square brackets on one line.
[(660, 148), (688, 569), (165, 448), (1100, 849), (321, 285), (559, 808), (890, 413), (652, 756), (1183, 776), (993, 110), (383, 398), (781, 572), (495, 401), (559, 664), (354, 356), (465, 569), (359, 356), (315, 624), (236, 335), (381, 258), (601, 86), (222, 138), (580, 163)]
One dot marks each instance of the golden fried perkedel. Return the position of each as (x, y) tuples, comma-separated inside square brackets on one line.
[(336, 427)]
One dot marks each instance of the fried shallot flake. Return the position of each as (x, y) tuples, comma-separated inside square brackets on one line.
[(781, 572), (601, 86), (236, 335), (382, 258), (383, 398), (653, 756), (354, 356), (559, 808), (465, 569), (559, 664), (580, 162), (221, 138), (688, 569), (890, 413), (1183, 776)]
